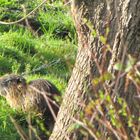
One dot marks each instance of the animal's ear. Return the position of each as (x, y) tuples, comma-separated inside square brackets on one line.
[(21, 80)]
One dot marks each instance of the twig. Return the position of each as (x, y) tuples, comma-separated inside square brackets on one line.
[(34, 131), (19, 129), (87, 128), (27, 22), (41, 67), (119, 73), (49, 99), (29, 124), (26, 16)]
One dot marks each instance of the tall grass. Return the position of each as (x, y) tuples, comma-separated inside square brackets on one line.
[(22, 51)]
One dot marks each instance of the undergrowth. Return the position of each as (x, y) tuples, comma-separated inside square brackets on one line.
[(51, 38)]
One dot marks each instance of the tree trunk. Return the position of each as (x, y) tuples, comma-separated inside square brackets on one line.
[(95, 17)]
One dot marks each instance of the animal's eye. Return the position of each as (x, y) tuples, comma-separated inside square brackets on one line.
[(19, 80)]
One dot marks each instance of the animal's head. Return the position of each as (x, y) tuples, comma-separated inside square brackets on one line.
[(11, 82)]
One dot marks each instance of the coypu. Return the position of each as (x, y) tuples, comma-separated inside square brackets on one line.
[(29, 97), (33, 97)]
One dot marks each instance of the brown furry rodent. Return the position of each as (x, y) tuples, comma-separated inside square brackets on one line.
[(30, 97)]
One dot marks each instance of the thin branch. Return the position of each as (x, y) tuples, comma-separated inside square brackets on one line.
[(26, 16), (19, 129), (87, 128)]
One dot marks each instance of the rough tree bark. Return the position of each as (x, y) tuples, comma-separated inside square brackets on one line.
[(123, 19)]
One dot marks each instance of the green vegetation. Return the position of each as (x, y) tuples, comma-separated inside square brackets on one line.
[(44, 46), (50, 36)]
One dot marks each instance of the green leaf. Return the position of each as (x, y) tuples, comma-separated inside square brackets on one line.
[(101, 94), (107, 76), (108, 98), (130, 63), (118, 66), (107, 30), (74, 126), (94, 33), (103, 39), (96, 81)]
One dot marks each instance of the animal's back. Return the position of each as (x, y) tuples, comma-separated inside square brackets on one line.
[(45, 85), (40, 93)]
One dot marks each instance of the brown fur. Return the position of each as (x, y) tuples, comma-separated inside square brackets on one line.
[(30, 97)]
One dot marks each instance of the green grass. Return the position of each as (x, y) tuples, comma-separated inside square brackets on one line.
[(7, 129), (22, 52)]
